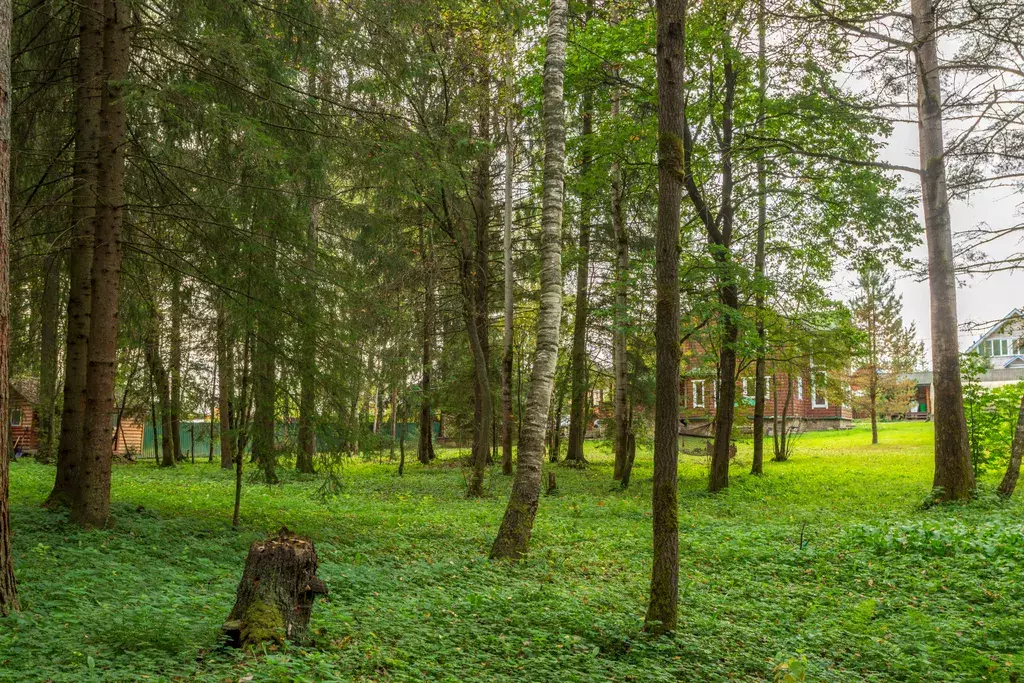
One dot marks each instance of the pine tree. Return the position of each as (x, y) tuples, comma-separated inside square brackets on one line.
[(891, 348)]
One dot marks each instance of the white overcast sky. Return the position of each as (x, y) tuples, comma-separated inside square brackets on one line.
[(981, 300)]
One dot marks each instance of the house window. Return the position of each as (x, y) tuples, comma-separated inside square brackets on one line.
[(698, 393), (1018, 347), (997, 347), (749, 387), (16, 417), (818, 397)]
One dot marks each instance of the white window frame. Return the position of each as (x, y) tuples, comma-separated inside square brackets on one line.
[(17, 417), (815, 395), (750, 390), (703, 393)]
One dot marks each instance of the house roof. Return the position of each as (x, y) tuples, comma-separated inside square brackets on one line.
[(1015, 362), (1015, 313), (27, 388)]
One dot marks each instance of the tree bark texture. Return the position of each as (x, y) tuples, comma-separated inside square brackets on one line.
[(1009, 482), (953, 473), (174, 363), (425, 449), (275, 597), (725, 401), (226, 386), (757, 466), (620, 360), (88, 96), (509, 317), (578, 398), (162, 389), (50, 314), (662, 611), (513, 537), (8, 586), (307, 389), (90, 505), (265, 396), (477, 263)]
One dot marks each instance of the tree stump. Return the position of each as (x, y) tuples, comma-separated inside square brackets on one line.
[(275, 596)]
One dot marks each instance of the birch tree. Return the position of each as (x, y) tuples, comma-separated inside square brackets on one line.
[(513, 537)]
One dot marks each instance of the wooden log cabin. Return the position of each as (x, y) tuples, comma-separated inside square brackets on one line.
[(24, 421)]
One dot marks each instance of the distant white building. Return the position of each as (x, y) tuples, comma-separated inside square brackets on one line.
[(1003, 344)]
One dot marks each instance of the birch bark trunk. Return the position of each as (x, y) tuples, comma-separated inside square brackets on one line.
[(513, 537)]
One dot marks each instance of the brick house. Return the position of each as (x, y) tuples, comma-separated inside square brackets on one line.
[(813, 405)]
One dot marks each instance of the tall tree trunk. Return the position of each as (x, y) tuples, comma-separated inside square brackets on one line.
[(401, 444), (213, 410), (425, 451), (725, 401), (517, 525), (479, 271), (376, 406), (1009, 482), (577, 407), (175, 365), (265, 396), (873, 395), (50, 314), (394, 416), (662, 612), (8, 586), (161, 384), (307, 390), (226, 387), (506, 357), (240, 419), (91, 500), (953, 472), (88, 96), (620, 360), (720, 245), (760, 391), (481, 388)]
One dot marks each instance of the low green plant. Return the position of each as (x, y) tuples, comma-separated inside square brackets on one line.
[(828, 558)]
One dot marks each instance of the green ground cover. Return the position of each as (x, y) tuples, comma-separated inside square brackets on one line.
[(827, 564)]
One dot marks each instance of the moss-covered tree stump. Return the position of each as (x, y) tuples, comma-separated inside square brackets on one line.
[(276, 594)]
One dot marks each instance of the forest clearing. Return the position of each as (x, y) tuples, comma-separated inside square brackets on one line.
[(525, 340), (828, 560)]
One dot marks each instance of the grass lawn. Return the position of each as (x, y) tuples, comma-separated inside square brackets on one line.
[(829, 562)]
